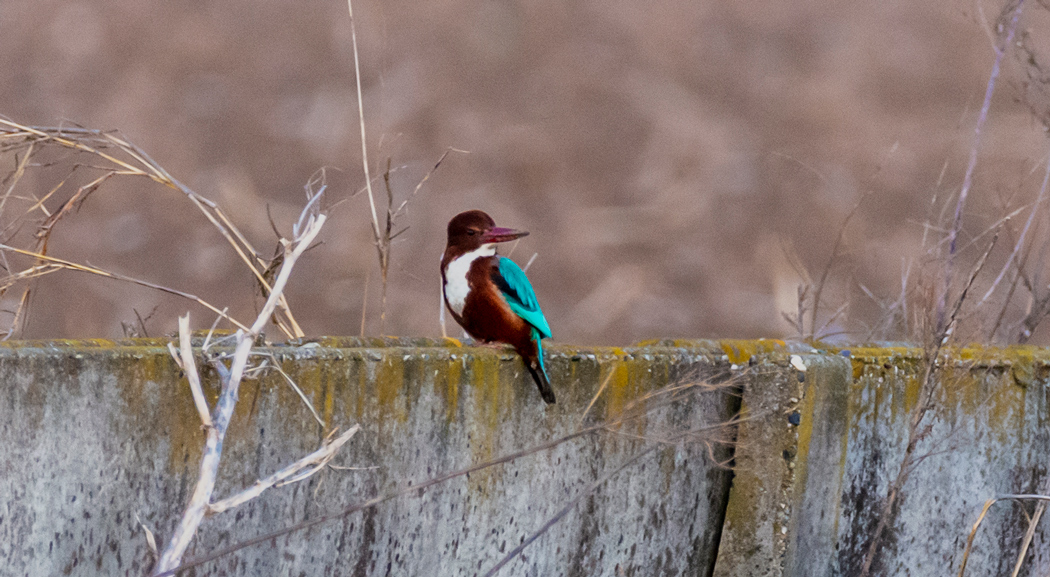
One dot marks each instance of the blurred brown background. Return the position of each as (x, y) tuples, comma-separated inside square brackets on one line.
[(667, 156)]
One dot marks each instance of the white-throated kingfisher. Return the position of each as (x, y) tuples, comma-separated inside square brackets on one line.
[(490, 296)]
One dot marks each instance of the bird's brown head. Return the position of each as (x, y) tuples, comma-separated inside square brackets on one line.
[(470, 230)]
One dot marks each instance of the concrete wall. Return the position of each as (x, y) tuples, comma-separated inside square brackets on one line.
[(99, 435), (806, 498)]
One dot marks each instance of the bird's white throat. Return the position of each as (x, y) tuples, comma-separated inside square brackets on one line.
[(456, 285)]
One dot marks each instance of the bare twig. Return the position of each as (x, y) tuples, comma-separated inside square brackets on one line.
[(818, 289), (189, 366), (1024, 233), (383, 242), (68, 265), (971, 165), (305, 231), (532, 259), (293, 473), (151, 541), (272, 365), (416, 488), (361, 119), (601, 389), (932, 365), (569, 507), (1029, 534), (639, 409), (382, 234), (797, 319), (984, 512), (592, 487), (122, 158)]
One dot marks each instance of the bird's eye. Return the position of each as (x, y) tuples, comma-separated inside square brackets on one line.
[(472, 232)]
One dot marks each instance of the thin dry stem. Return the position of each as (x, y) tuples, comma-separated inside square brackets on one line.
[(137, 163), (638, 409), (364, 302), (971, 165), (361, 121), (65, 264), (305, 231), (818, 290), (189, 367), (984, 513), (291, 383), (591, 488), (302, 469), (601, 389), (916, 430), (1029, 534), (1024, 233)]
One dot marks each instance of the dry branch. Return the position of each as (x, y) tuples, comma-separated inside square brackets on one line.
[(120, 157), (971, 165), (189, 366), (594, 486), (304, 231), (980, 519), (293, 473), (932, 371), (59, 264), (271, 364), (639, 409)]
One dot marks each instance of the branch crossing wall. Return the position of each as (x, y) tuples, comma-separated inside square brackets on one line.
[(100, 438)]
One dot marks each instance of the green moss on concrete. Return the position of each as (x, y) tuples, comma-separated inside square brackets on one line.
[(446, 383), (740, 351), (389, 382), (798, 495)]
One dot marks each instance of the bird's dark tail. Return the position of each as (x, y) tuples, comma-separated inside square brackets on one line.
[(542, 382), (538, 371)]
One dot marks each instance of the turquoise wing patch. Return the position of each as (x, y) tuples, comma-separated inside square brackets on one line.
[(517, 289)]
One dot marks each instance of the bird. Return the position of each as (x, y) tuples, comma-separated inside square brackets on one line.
[(490, 296)]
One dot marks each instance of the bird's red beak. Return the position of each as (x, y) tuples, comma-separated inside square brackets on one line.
[(502, 234)]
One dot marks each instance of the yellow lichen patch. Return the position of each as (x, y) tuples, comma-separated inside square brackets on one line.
[(960, 392), (740, 351), (618, 392), (179, 419), (312, 379), (804, 430), (912, 388), (448, 387), (328, 408), (858, 367), (389, 385), (154, 366), (883, 354), (153, 391), (1004, 404), (489, 396), (363, 390), (1023, 373), (985, 355)]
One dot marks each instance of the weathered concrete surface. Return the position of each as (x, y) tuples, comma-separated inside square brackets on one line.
[(989, 436), (99, 435), (806, 497), (788, 468)]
